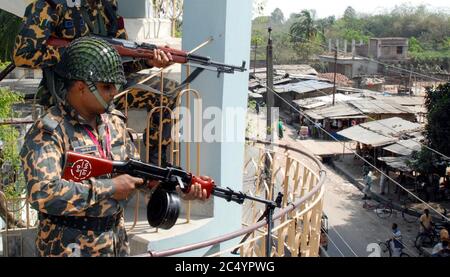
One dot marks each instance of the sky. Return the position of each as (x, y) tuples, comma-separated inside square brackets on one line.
[(326, 8)]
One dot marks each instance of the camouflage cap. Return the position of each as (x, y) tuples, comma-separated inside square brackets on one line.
[(91, 59)]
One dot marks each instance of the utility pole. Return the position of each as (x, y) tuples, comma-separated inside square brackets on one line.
[(254, 60), (269, 85), (270, 133), (335, 71)]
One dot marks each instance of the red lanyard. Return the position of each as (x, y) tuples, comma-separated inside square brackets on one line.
[(97, 143)]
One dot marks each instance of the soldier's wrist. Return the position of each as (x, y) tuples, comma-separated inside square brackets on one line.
[(102, 189)]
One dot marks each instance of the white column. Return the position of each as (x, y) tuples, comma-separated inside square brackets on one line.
[(228, 22)]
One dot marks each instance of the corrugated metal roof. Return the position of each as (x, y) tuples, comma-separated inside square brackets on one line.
[(370, 106), (340, 110), (393, 127), (303, 87), (315, 102), (399, 163), (404, 147), (364, 136), (380, 132), (254, 95), (401, 100)]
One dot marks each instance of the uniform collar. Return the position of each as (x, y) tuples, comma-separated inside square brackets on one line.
[(67, 109)]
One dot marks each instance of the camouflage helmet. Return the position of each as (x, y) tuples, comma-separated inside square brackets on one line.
[(91, 59)]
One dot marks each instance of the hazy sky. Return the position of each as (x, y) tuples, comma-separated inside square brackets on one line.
[(333, 7)]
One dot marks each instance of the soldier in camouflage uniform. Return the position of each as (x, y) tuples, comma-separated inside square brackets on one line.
[(82, 218), (70, 19)]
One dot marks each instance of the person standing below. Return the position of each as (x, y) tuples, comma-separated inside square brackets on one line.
[(444, 252), (396, 242), (368, 179), (280, 129), (443, 240), (426, 222)]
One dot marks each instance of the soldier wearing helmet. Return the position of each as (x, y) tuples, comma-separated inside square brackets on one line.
[(71, 19), (82, 218)]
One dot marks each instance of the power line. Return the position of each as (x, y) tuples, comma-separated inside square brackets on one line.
[(362, 158), (343, 240), (378, 122), (406, 247), (337, 248), (422, 144)]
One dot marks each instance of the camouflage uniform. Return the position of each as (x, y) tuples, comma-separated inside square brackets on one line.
[(43, 20), (42, 156)]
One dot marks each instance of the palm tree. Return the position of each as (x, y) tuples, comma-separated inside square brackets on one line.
[(303, 29)]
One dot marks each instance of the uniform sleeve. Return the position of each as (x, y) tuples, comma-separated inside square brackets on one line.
[(42, 159), (30, 49)]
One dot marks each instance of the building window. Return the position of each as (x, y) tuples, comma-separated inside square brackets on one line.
[(399, 50)]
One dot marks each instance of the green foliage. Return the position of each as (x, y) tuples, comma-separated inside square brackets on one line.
[(414, 45), (423, 161), (9, 136), (427, 29), (307, 49), (9, 28), (252, 105), (303, 29), (277, 17), (438, 127), (3, 65), (179, 29)]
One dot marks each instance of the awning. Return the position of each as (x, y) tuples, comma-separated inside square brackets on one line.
[(255, 95), (364, 136), (399, 163), (404, 147)]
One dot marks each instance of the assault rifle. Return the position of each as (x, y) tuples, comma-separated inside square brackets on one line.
[(134, 50)]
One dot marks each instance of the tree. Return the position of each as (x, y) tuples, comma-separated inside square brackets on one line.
[(438, 127), (349, 14), (414, 45), (325, 23), (277, 17), (9, 28), (303, 29), (12, 184)]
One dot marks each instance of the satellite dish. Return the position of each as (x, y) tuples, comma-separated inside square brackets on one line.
[(16, 7)]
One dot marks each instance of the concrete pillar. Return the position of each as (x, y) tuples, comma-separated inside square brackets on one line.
[(228, 22), (337, 45), (330, 48)]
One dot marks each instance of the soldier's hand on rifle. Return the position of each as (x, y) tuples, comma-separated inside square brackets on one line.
[(196, 192), (124, 185), (160, 59)]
